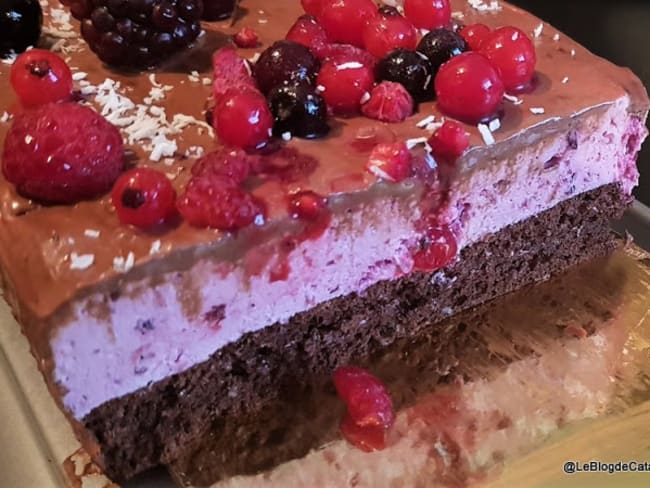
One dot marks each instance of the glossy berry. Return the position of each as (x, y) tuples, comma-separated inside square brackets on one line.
[(369, 406), (246, 38), (243, 119), (344, 84), (390, 162), (307, 205), (343, 53), (513, 54), (474, 35), (229, 70), (428, 14), (20, 25), (39, 77), (469, 88), (411, 69), (138, 34), (388, 31), (389, 102), (440, 45), (344, 20), (308, 32), (437, 248), (143, 197), (449, 142), (217, 201), (312, 7), (299, 110), (285, 63), (62, 153)]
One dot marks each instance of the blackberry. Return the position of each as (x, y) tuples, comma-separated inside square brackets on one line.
[(137, 34), (409, 68), (440, 45), (20, 25), (285, 63), (298, 109)]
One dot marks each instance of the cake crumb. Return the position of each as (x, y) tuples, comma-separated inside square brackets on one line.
[(92, 233), (486, 134), (81, 261), (537, 110), (155, 247)]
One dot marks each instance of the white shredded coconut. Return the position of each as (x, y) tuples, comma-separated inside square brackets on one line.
[(92, 233), (494, 125), (537, 110), (573, 53), (556, 37), (565, 80), (482, 6), (253, 59), (349, 65), (425, 121), (286, 136), (411, 143), (365, 98), (122, 264), (79, 75), (320, 88), (513, 99), (81, 261), (11, 57), (5, 117), (486, 134), (155, 247), (537, 33)]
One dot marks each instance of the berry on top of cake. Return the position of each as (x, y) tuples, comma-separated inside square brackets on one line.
[(286, 193)]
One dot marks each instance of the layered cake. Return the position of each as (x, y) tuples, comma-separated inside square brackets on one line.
[(185, 244)]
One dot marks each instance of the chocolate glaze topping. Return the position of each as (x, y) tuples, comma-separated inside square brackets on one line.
[(36, 241)]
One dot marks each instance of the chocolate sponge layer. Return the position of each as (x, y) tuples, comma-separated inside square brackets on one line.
[(253, 403)]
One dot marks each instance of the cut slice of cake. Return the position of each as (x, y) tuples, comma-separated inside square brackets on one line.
[(309, 254)]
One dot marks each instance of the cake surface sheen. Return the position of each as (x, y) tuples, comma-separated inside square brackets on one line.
[(162, 325)]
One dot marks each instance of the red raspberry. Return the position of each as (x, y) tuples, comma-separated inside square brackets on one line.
[(39, 77), (437, 249), (229, 70), (231, 162), (389, 31), (312, 7), (144, 197), (307, 205), (246, 37), (369, 407), (474, 35), (242, 118), (344, 20), (389, 102), (469, 88), (390, 161), (513, 54), (62, 153), (345, 82), (428, 14), (449, 142), (308, 32), (213, 200)]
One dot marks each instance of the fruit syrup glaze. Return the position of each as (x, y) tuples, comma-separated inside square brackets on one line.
[(291, 91)]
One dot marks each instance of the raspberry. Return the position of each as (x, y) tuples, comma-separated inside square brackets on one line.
[(230, 69), (39, 77), (436, 249), (469, 88), (388, 31), (62, 153), (137, 34), (345, 81), (390, 161), (513, 54), (232, 163), (344, 20), (428, 14), (243, 119), (474, 35), (143, 197), (246, 37), (449, 142), (346, 52), (308, 32), (389, 102), (216, 201), (369, 407)]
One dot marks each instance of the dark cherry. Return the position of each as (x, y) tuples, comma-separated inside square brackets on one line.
[(410, 68), (299, 110), (440, 45), (20, 25), (285, 62)]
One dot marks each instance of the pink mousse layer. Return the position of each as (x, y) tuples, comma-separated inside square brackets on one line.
[(150, 335)]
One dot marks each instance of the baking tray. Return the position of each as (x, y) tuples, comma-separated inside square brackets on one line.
[(37, 441)]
